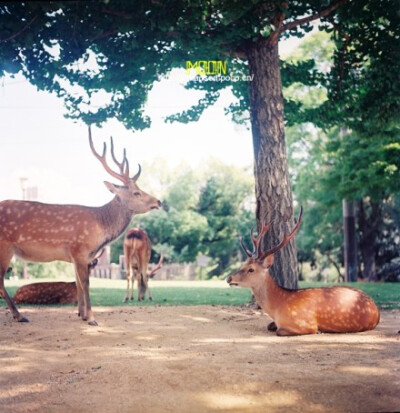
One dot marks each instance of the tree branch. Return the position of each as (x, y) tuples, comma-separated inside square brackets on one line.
[(104, 35), (277, 22), (119, 13), (323, 13), (26, 27)]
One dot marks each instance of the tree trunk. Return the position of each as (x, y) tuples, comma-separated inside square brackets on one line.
[(368, 227), (350, 241), (272, 186)]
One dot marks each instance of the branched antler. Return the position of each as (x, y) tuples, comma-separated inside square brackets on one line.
[(257, 254), (123, 166)]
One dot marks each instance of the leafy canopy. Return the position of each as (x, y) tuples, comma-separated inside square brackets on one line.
[(103, 57)]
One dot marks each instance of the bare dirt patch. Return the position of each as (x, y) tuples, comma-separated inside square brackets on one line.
[(191, 359)]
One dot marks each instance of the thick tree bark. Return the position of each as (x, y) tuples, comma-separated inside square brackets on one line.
[(273, 190), (368, 227), (350, 241)]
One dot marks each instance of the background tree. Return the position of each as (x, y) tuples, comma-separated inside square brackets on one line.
[(364, 95), (210, 209), (116, 49), (227, 204), (362, 165)]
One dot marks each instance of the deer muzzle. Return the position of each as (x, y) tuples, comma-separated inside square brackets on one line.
[(231, 282), (157, 205)]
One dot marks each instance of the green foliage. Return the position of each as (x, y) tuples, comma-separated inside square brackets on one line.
[(208, 212), (223, 203), (113, 51), (334, 162), (363, 83), (377, 161), (53, 269)]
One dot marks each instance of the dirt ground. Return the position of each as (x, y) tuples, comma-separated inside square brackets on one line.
[(191, 359)]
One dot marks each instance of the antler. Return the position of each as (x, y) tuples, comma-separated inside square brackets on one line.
[(123, 166), (257, 254), (256, 241), (158, 266), (285, 240)]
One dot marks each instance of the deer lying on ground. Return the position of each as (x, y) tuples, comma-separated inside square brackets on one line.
[(304, 311), (137, 251), (43, 232), (56, 292), (52, 292)]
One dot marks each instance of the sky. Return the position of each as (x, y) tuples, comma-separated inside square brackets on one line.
[(38, 143)]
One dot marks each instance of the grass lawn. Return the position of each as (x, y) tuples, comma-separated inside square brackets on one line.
[(111, 292)]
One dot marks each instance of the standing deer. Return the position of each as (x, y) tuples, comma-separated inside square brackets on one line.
[(73, 233), (137, 251), (303, 311)]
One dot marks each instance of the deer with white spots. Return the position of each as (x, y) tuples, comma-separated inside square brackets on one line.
[(41, 232), (137, 251), (335, 309), (52, 292), (57, 292)]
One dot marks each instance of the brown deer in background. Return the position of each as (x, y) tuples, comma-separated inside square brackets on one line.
[(304, 311), (42, 232), (137, 251)]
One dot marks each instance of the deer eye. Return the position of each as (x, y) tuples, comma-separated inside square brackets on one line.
[(137, 194), (251, 270)]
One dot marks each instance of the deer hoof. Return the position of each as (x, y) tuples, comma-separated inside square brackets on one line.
[(23, 320), (151, 298), (93, 323), (272, 326)]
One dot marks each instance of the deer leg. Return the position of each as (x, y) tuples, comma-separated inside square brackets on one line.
[(133, 276), (128, 280), (82, 272), (143, 281), (149, 292), (141, 286), (136, 278), (4, 261), (79, 295), (3, 292), (282, 331), (128, 268)]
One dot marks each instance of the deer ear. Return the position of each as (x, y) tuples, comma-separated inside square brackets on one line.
[(111, 187), (268, 262)]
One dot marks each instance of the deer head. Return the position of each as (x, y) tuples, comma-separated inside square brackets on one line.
[(129, 194), (256, 267)]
